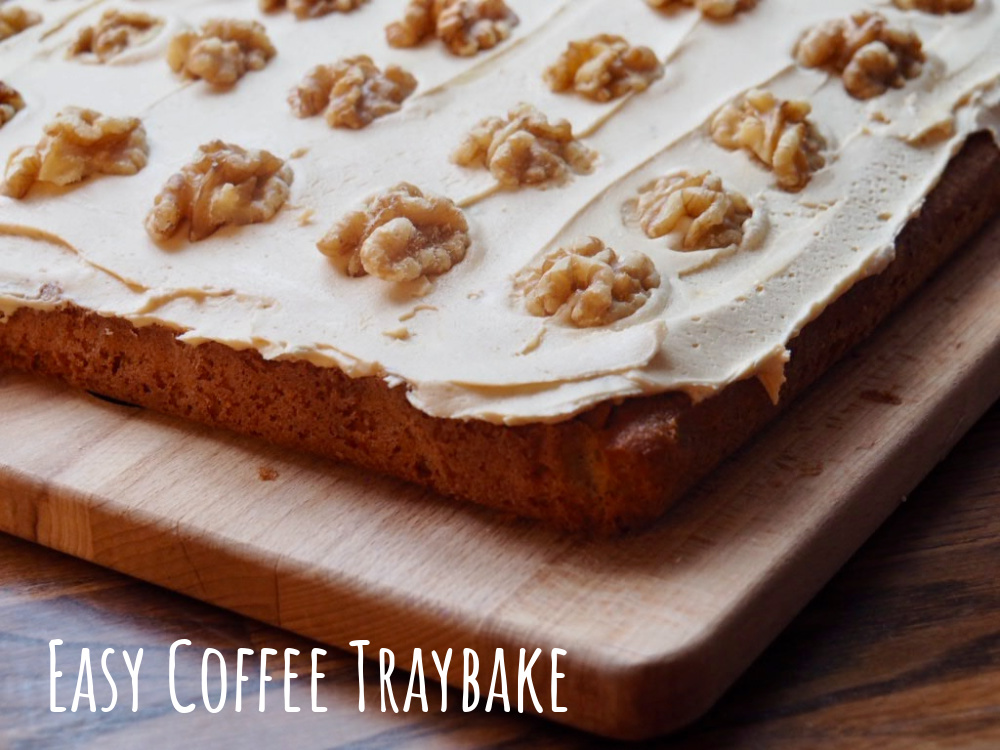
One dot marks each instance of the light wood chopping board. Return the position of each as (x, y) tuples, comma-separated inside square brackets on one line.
[(655, 626)]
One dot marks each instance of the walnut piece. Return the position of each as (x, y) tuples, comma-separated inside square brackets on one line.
[(525, 149), (709, 215), (400, 235), (223, 184), (870, 55), (587, 284), (353, 92), (78, 143), (418, 23), (708, 8), (777, 132), (940, 7), (11, 103), (15, 19), (304, 9), (603, 68), (115, 32), (464, 26), (222, 52)]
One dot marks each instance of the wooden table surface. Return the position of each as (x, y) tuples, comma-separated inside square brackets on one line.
[(902, 649)]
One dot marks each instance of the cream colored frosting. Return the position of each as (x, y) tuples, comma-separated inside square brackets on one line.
[(464, 346)]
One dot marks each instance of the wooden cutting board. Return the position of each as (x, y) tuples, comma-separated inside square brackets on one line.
[(655, 626)]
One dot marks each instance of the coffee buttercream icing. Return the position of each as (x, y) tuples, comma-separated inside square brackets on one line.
[(463, 343)]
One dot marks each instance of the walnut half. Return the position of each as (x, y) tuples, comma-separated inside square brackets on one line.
[(224, 184), (698, 205), (400, 235), (587, 284), (939, 7), (777, 132), (222, 52), (115, 32), (525, 149), (14, 19), (304, 9), (76, 144), (11, 103), (603, 68), (464, 26), (709, 8), (870, 55), (353, 92)]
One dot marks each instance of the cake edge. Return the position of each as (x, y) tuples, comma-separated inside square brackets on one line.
[(613, 468)]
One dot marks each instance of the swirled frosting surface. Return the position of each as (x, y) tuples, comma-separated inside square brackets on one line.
[(464, 346)]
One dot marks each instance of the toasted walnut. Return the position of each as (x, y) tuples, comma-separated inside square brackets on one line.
[(708, 8), (10, 103), (465, 26), (222, 52), (870, 55), (525, 149), (418, 23), (604, 67), (115, 32), (468, 26), (15, 19), (353, 92), (311, 8), (698, 205), (224, 184), (76, 144), (939, 7), (776, 132), (587, 284), (400, 235)]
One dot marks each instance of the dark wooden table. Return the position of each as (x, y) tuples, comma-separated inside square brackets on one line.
[(902, 649)]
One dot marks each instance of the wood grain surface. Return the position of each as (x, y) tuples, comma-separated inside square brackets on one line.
[(901, 650), (655, 626)]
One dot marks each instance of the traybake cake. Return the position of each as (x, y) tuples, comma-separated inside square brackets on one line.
[(557, 257)]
